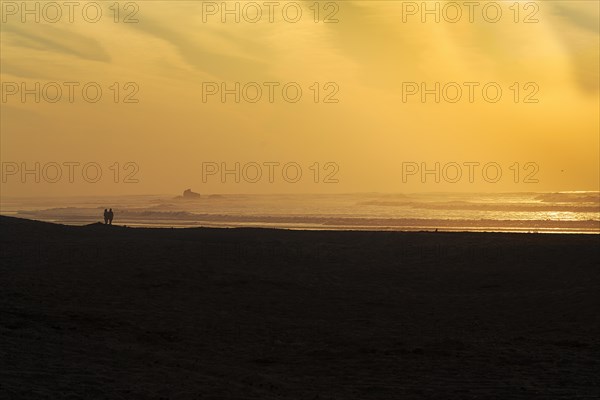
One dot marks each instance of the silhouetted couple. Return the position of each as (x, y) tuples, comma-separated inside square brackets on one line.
[(108, 216)]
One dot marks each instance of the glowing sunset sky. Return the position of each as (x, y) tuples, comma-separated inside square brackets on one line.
[(369, 133)]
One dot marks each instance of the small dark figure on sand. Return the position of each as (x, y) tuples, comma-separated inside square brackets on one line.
[(110, 216), (105, 216)]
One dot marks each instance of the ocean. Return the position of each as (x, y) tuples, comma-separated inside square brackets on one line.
[(562, 212)]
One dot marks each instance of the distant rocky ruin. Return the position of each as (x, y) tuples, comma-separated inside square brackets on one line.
[(188, 195)]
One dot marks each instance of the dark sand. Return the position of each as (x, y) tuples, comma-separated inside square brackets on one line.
[(103, 312)]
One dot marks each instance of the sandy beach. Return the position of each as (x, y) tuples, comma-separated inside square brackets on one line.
[(108, 312)]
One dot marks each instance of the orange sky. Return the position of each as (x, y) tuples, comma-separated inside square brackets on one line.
[(370, 55)]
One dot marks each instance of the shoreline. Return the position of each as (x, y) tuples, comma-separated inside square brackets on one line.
[(569, 227)]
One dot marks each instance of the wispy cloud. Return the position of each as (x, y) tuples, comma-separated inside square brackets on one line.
[(579, 30), (49, 38), (196, 45)]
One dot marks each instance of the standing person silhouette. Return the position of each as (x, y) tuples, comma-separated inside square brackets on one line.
[(110, 216), (105, 217)]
